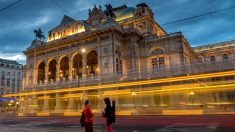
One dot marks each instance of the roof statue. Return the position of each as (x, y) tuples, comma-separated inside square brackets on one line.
[(109, 11), (89, 10), (100, 7), (39, 34)]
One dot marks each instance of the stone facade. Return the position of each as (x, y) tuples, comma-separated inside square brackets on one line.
[(130, 42), (107, 56), (216, 52), (11, 77)]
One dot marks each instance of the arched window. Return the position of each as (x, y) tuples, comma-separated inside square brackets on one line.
[(157, 52), (225, 56), (200, 60), (212, 58)]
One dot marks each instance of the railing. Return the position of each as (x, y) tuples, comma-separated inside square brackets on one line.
[(143, 74)]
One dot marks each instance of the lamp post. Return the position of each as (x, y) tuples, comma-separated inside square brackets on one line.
[(83, 51), (191, 96)]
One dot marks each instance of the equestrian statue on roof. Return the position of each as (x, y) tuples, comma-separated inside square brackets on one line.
[(39, 34)]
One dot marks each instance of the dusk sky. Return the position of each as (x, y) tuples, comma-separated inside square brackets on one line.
[(18, 22)]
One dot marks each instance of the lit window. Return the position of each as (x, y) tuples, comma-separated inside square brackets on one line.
[(212, 58), (200, 59), (225, 56), (161, 63), (155, 64)]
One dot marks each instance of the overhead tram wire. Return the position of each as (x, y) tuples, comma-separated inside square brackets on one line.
[(12, 4), (61, 7), (205, 14)]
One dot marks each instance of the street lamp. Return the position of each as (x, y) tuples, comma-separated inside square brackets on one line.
[(191, 96), (191, 93), (83, 51), (133, 94)]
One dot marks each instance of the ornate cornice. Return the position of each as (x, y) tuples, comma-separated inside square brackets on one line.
[(73, 39), (215, 46)]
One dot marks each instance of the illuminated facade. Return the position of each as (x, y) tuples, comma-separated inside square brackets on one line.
[(216, 52), (129, 58)]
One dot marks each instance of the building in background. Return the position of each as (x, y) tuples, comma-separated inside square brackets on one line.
[(222, 51), (11, 76), (124, 54)]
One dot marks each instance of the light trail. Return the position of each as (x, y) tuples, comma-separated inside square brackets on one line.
[(127, 84), (127, 93)]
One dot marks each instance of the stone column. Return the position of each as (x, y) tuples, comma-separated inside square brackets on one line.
[(57, 72), (46, 74), (35, 75), (70, 71), (133, 54), (84, 65), (161, 99), (46, 103), (57, 103), (22, 104), (70, 104), (26, 104), (99, 57), (33, 106)]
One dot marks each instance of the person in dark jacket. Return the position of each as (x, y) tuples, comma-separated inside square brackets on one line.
[(88, 117), (108, 114)]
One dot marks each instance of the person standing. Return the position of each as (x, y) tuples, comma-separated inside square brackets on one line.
[(108, 114), (88, 117)]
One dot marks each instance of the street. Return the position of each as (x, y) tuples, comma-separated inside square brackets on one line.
[(209, 123)]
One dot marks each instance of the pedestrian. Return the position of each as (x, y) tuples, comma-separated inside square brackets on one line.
[(109, 114), (88, 117)]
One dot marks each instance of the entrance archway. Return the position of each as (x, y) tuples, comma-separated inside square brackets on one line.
[(52, 71), (92, 63), (41, 72), (64, 68), (75, 66)]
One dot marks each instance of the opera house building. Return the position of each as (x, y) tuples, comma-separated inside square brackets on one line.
[(124, 54)]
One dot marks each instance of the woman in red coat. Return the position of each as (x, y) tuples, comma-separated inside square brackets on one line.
[(88, 117)]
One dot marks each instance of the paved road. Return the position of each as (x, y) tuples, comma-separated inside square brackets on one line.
[(123, 124)]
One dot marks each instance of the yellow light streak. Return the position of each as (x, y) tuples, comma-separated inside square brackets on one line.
[(126, 84), (220, 103), (43, 114), (43, 97), (73, 95), (217, 87), (117, 92), (182, 112)]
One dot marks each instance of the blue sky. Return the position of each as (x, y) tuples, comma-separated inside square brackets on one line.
[(18, 22)]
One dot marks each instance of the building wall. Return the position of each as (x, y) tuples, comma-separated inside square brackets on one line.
[(135, 50), (218, 50), (10, 78)]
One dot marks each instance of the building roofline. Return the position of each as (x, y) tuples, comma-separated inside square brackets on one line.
[(14, 62), (214, 44)]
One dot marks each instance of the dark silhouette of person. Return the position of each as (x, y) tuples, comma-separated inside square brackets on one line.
[(108, 114)]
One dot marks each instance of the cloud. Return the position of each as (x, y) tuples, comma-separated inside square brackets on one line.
[(18, 22), (14, 56)]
